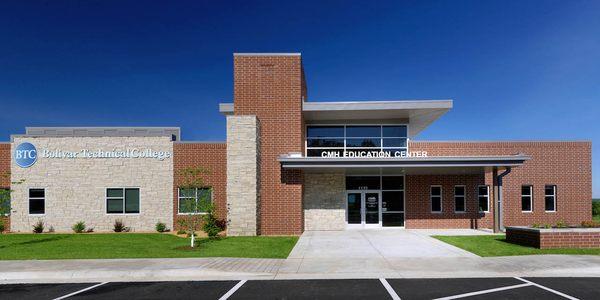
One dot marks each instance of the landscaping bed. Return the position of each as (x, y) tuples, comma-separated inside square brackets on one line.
[(546, 238), (138, 245)]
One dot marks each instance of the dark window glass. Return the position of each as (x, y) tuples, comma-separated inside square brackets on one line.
[(526, 198), (325, 131), (459, 190), (459, 203), (549, 203), (362, 183), (394, 131), (549, 190), (525, 203), (392, 201), (37, 193), (483, 198), (187, 192), (550, 197), (187, 205), (392, 219), (436, 191), (526, 190), (318, 152), (363, 131), (483, 190), (436, 203), (392, 182), (312, 142), (132, 201), (363, 143), (114, 206), (37, 206), (114, 193), (401, 142), (354, 208)]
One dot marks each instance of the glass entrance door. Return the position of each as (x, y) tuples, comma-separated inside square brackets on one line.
[(363, 208)]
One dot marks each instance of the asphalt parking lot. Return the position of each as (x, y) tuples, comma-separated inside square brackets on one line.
[(472, 288)]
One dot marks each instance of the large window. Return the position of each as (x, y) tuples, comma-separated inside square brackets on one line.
[(550, 198), (341, 139), (37, 201), (194, 200), (483, 195), (459, 198), (527, 198), (436, 198), (392, 200), (123, 201)]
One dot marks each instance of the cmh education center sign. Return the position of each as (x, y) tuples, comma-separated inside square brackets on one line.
[(373, 154)]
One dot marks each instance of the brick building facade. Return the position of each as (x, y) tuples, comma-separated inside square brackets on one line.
[(290, 165)]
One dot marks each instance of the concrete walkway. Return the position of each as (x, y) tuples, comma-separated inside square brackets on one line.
[(318, 255)]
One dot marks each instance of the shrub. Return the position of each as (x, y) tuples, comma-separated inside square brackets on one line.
[(547, 226), (79, 227), (535, 225), (180, 231), (2, 226), (561, 224), (90, 230), (161, 227), (596, 208), (119, 226), (38, 227), (590, 224), (212, 226), (51, 229)]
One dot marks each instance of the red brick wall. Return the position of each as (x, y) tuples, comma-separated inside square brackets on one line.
[(418, 204), (584, 238), (564, 164), (211, 156), (271, 88), (5, 175)]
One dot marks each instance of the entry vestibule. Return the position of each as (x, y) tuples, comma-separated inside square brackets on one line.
[(375, 201)]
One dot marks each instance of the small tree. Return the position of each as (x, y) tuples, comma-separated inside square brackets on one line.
[(192, 179), (5, 207)]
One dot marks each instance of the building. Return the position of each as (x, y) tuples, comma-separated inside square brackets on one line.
[(290, 165)]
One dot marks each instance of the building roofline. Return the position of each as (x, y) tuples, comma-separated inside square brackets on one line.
[(268, 54)]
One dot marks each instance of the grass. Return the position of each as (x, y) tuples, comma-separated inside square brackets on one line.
[(137, 245), (596, 218), (496, 245)]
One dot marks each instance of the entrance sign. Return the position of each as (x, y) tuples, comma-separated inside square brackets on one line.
[(25, 155), (373, 154)]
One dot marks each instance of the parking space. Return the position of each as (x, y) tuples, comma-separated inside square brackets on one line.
[(451, 288)]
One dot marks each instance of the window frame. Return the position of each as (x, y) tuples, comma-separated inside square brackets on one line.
[(212, 197), (554, 192), (106, 198), (530, 198), (431, 196), (464, 196), (487, 198), (345, 138), (35, 198)]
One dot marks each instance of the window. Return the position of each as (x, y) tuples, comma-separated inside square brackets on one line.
[(436, 198), (459, 198), (483, 195), (5, 201), (37, 201), (550, 198), (123, 201), (193, 200), (334, 140), (526, 198)]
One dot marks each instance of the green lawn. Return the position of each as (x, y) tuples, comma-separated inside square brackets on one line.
[(496, 245), (137, 245)]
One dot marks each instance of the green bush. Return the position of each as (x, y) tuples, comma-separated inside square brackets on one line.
[(79, 227), (180, 231), (2, 226), (596, 208), (535, 225), (561, 224), (38, 227), (161, 227), (212, 226), (119, 226)]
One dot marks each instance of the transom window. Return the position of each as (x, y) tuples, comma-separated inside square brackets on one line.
[(483, 195), (527, 198), (341, 139), (123, 201), (194, 200), (550, 198)]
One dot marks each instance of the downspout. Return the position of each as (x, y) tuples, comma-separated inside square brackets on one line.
[(498, 223)]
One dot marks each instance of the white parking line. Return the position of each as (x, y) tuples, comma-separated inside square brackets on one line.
[(81, 291), (232, 290), (547, 289), (389, 289), (510, 287)]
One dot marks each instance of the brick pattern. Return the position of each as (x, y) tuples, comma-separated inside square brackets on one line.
[(564, 164), (210, 156), (5, 176), (418, 204), (272, 88), (554, 238)]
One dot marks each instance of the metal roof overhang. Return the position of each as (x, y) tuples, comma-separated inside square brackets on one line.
[(415, 165)]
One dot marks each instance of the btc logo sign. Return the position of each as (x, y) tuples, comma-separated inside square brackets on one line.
[(25, 155)]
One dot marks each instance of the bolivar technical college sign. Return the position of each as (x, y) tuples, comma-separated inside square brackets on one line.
[(373, 154), (26, 154)]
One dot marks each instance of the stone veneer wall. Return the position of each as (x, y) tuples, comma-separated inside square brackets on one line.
[(243, 199), (76, 188), (324, 206)]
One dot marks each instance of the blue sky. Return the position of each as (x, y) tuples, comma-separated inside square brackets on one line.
[(515, 69)]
